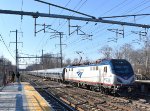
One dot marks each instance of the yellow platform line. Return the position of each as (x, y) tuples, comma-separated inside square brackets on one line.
[(34, 99)]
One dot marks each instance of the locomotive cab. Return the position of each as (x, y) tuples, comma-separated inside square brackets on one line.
[(117, 74), (123, 72)]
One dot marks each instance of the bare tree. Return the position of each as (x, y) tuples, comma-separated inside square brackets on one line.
[(106, 51), (117, 53), (136, 58), (126, 51), (75, 61), (86, 61), (68, 62), (146, 55), (50, 61)]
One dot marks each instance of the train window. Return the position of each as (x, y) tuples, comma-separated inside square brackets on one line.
[(66, 70), (96, 67), (72, 69), (105, 69)]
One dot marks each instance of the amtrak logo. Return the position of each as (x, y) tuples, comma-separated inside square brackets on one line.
[(80, 73)]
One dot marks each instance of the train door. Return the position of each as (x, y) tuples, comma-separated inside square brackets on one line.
[(70, 74), (67, 74), (103, 73), (63, 74), (100, 75)]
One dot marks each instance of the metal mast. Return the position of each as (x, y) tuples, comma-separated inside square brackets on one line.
[(16, 51)]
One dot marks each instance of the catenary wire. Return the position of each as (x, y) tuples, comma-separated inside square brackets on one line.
[(6, 46)]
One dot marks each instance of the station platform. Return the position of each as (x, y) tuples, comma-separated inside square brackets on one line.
[(143, 81), (143, 85), (22, 97)]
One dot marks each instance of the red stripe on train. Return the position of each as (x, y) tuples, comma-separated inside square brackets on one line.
[(96, 82)]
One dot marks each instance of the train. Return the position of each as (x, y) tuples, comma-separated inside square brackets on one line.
[(109, 75)]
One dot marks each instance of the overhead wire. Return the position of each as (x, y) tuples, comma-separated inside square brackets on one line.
[(61, 12), (26, 54), (94, 47), (136, 7), (99, 44), (86, 48), (76, 10), (55, 21), (73, 13), (114, 7), (131, 9), (38, 45), (111, 9), (142, 17), (79, 8), (6, 46), (125, 12)]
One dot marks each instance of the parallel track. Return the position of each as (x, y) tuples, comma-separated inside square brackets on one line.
[(85, 100), (56, 103)]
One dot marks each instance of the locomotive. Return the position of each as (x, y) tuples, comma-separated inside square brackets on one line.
[(110, 75)]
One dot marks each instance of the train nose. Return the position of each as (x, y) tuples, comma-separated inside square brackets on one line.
[(123, 81)]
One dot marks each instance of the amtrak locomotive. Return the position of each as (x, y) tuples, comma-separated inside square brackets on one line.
[(107, 76)]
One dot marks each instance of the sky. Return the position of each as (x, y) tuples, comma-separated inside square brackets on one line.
[(89, 46)]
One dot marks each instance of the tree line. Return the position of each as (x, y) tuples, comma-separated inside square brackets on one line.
[(6, 65), (139, 58)]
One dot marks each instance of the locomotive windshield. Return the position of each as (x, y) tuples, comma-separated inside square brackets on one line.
[(122, 67)]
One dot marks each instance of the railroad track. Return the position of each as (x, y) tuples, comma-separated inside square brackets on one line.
[(56, 103), (85, 100)]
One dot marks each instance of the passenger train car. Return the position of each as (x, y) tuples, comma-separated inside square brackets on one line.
[(108, 75)]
